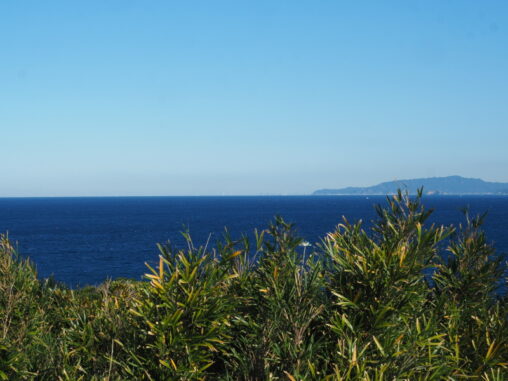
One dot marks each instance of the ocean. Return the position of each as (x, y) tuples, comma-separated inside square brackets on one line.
[(82, 241)]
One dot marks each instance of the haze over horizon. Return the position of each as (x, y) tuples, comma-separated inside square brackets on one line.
[(210, 98)]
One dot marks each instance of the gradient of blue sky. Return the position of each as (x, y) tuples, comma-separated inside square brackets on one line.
[(236, 97)]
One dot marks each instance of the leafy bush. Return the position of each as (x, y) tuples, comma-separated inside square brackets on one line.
[(404, 300), (185, 313)]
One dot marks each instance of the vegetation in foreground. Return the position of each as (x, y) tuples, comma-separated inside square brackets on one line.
[(403, 300)]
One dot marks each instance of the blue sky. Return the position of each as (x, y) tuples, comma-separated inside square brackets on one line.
[(248, 97)]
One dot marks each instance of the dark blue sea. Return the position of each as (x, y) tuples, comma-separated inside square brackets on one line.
[(84, 241)]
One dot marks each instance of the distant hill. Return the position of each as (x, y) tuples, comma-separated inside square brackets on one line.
[(452, 185)]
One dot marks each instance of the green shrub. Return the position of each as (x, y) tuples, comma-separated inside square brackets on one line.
[(279, 331), (471, 313), (185, 312), (22, 312), (50, 332), (379, 295)]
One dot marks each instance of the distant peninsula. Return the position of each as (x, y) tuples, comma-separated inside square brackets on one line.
[(450, 185)]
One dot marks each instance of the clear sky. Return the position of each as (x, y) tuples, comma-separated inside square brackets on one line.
[(248, 97)]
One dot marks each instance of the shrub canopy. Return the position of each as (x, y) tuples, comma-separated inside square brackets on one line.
[(403, 300)]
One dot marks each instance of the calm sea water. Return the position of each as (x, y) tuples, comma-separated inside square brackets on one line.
[(87, 240)]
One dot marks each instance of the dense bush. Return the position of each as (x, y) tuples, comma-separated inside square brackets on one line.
[(404, 300)]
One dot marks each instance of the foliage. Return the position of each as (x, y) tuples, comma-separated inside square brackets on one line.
[(402, 300)]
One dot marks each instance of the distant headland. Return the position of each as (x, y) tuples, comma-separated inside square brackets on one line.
[(450, 185)]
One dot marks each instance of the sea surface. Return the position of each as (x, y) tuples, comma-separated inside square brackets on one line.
[(83, 241)]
